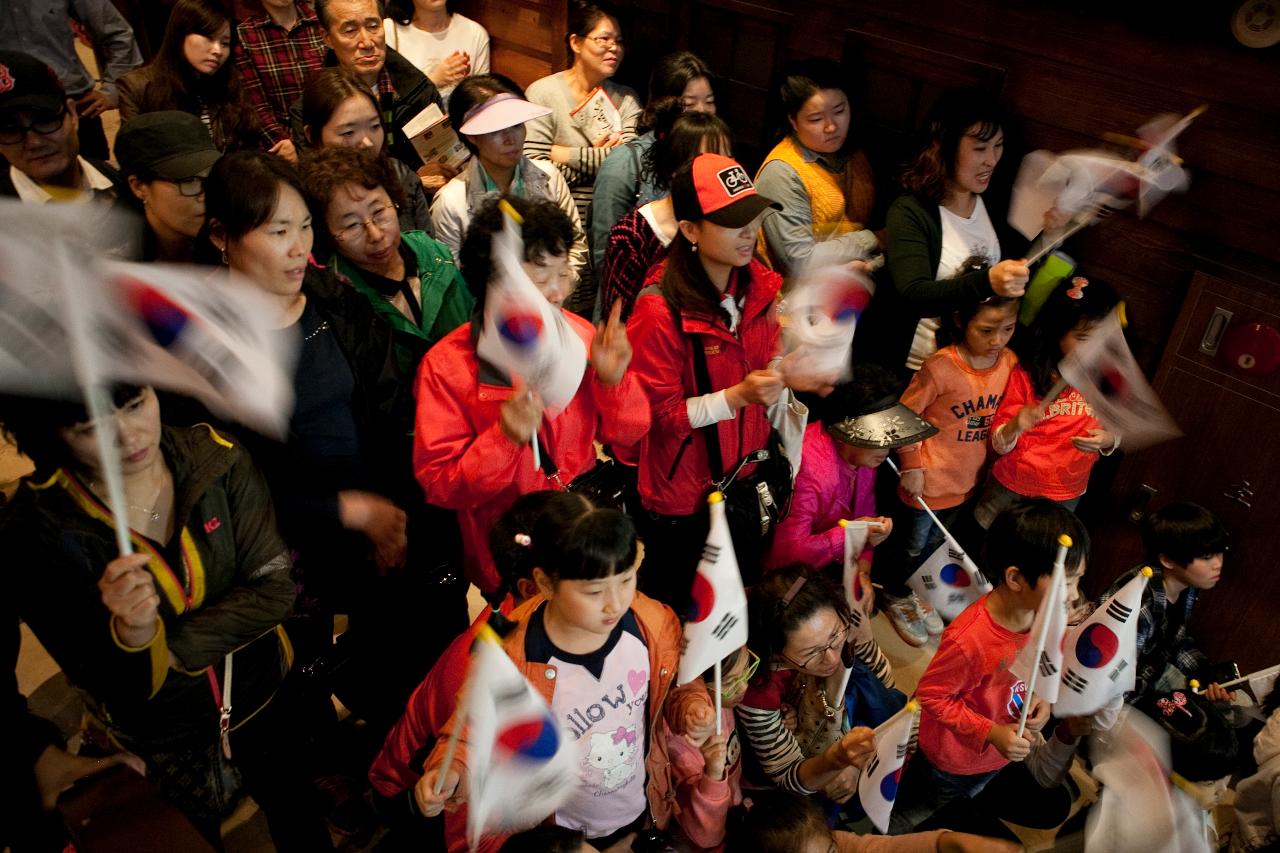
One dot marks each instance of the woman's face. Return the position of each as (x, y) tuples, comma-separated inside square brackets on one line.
[(206, 55), (697, 96), (733, 247), (599, 52), (137, 436), (354, 124), (500, 149), (168, 209), (551, 275), (815, 645), (365, 226), (822, 122), (274, 255), (976, 159)]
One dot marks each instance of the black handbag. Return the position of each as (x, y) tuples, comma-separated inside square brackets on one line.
[(608, 484)]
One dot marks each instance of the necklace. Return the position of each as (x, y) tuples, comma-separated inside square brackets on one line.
[(324, 325), (153, 511), (827, 710)]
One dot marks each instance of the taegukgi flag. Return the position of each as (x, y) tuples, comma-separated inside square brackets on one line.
[(524, 335), (1101, 653), (520, 763), (820, 315), (717, 623), (948, 580), (878, 784), (1051, 619)]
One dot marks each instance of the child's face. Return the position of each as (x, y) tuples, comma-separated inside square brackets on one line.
[(1200, 573), (593, 606), (735, 677), (1079, 334), (861, 457), (820, 842), (1044, 583), (990, 330)]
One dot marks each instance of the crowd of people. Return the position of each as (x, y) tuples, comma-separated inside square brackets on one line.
[(271, 144)]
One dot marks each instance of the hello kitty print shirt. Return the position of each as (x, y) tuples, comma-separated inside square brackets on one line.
[(600, 701)]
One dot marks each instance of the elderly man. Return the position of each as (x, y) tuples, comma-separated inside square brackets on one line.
[(354, 35), (39, 139)]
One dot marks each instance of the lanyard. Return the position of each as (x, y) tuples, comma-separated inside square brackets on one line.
[(222, 698)]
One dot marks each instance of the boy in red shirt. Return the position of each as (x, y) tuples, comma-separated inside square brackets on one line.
[(970, 702)]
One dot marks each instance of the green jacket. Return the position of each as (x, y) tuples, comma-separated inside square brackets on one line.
[(229, 591), (446, 301)]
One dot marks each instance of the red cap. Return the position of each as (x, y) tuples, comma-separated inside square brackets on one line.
[(718, 189)]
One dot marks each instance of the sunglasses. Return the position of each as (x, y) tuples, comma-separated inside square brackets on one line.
[(730, 688), (43, 123)]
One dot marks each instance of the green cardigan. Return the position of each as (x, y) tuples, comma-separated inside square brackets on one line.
[(446, 301)]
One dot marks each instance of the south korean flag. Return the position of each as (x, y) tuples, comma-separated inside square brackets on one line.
[(1101, 653), (878, 784), (717, 618), (948, 581), (1048, 667)]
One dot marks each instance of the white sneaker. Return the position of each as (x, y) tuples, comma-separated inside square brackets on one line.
[(905, 615), (932, 621)]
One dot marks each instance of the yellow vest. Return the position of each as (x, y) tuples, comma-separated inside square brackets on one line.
[(825, 189)]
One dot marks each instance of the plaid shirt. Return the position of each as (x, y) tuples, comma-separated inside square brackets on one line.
[(1159, 647), (632, 249), (276, 63)]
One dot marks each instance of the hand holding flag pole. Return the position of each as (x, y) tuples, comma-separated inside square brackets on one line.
[(484, 634), (1051, 601), (1269, 672), (952, 542)]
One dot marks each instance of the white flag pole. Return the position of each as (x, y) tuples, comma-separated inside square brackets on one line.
[(1059, 568), (484, 634), (718, 698), (951, 540), (1262, 673), (912, 707)]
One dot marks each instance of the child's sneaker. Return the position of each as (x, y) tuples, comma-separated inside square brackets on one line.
[(905, 615), (932, 621)]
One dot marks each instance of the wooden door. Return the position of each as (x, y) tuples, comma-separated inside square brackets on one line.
[(1229, 461)]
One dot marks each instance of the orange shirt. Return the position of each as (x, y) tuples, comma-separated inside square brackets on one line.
[(961, 401)]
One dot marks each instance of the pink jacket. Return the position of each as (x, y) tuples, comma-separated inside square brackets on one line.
[(463, 460), (827, 489)]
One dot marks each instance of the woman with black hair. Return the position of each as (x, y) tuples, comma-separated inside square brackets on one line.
[(191, 73), (943, 249), (680, 82), (489, 112), (159, 642), (641, 237), (476, 427), (822, 180), (444, 44), (367, 545)]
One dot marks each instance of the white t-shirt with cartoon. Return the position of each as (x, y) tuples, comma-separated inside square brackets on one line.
[(600, 701)]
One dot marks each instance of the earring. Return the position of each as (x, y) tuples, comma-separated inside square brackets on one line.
[(226, 262), (695, 247)]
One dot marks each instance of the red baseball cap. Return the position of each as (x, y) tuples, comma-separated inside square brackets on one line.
[(716, 188)]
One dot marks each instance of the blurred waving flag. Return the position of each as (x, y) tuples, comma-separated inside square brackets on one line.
[(717, 623), (521, 767), (1051, 619), (878, 784), (1101, 653), (524, 335), (948, 580), (819, 316), (1104, 371), (855, 541)]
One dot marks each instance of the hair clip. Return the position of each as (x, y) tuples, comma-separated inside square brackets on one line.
[(523, 540), (1078, 284), (795, 588)]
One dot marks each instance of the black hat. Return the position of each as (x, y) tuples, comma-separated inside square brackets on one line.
[(169, 144), (883, 423), (26, 83), (716, 188)]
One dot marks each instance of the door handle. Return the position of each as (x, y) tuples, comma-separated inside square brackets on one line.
[(1214, 330)]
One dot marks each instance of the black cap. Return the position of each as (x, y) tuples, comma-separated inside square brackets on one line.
[(169, 144), (26, 83)]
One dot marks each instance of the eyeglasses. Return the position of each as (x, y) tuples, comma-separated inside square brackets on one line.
[(384, 218), (188, 187), (729, 689), (606, 42), (837, 640), (43, 123)]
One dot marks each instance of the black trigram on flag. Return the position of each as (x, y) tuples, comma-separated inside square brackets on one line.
[(902, 751), (928, 582), (1078, 683), (710, 553), (1120, 667), (1118, 611), (871, 768), (726, 625), (1047, 668)]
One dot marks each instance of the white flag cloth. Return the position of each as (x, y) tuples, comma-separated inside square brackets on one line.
[(855, 540), (150, 324), (819, 316), (1104, 371), (1139, 808), (1051, 617), (524, 335), (1101, 654), (1261, 686), (949, 581), (520, 764), (878, 784), (717, 623)]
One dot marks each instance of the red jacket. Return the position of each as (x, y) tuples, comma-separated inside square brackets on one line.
[(674, 475), (465, 463)]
